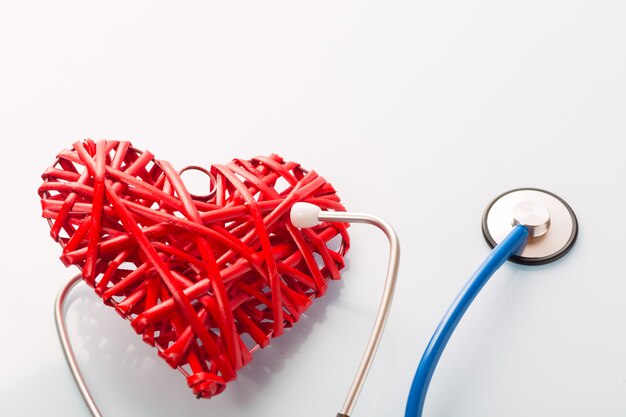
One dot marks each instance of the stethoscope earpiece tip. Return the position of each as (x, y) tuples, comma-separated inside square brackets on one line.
[(304, 215)]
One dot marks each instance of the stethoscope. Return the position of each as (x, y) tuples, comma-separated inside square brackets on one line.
[(526, 226)]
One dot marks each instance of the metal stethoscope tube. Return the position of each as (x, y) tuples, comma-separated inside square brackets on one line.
[(315, 215), (385, 304), (59, 319)]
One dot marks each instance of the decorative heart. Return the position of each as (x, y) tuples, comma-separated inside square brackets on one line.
[(194, 275)]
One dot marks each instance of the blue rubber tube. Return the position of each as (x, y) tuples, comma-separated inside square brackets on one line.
[(514, 241)]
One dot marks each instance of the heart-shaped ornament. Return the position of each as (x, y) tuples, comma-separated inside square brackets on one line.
[(207, 280)]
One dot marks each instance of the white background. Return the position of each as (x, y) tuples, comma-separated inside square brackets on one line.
[(420, 112)]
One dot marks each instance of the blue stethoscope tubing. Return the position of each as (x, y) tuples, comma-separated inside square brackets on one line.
[(512, 244)]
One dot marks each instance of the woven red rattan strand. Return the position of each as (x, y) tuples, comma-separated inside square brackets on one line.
[(193, 275)]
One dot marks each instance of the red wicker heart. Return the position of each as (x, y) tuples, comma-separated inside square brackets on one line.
[(193, 274)]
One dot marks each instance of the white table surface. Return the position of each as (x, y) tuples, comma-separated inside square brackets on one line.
[(420, 112)]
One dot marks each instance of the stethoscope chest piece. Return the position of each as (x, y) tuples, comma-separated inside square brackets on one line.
[(527, 226), (551, 223)]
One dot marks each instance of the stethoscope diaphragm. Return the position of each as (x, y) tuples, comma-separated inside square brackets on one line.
[(552, 224)]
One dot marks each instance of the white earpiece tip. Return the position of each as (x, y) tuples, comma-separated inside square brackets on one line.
[(304, 215)]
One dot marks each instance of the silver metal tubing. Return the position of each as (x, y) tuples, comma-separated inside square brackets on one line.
[(385, 304), (59, 319), (370, 350)]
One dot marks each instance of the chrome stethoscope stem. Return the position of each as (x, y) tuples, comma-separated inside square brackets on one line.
[(370, 350), (59, 320), (385, 304)]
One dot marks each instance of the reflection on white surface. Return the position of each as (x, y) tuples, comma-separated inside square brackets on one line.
[(117, 364)]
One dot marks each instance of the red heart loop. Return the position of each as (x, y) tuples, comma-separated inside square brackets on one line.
[(206, 280)]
